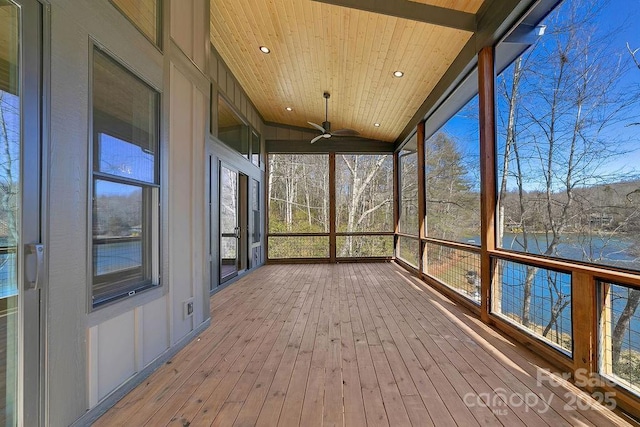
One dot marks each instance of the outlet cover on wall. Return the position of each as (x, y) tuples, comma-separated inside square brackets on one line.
[(188, 308)]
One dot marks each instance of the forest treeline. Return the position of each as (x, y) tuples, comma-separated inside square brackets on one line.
[(298, 187)]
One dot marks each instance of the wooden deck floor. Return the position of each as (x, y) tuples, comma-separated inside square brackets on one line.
[(350, 344)]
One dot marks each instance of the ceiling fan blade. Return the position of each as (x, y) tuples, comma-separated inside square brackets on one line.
[(345, 132), (320, 128), (324, 135)]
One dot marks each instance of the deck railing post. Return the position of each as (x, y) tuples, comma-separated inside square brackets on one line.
[(585, 325), (486, 95)]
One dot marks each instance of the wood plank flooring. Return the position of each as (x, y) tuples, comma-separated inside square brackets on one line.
[(355, 345)]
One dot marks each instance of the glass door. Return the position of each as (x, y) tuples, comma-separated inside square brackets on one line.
[(229, 223), (21, 255)]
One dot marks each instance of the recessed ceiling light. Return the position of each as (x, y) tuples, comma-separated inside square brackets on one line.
[(377, 125), (398, 74), (289, 109), (264, 49)]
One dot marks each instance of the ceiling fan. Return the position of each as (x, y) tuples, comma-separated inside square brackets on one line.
[(326, 125)]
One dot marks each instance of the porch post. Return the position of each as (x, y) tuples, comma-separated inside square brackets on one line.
[(422, 194), (396, 201), (332, 207), (486, 94)]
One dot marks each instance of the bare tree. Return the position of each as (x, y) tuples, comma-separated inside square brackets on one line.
[(633, 299), (512, 100), (365, 173), (409, 192), (563, 100)]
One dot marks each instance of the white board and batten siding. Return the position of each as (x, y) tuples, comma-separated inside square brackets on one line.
[(91, 354)]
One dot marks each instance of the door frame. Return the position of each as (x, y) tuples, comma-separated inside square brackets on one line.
[(223, 279), (34, 38), (243, 222)]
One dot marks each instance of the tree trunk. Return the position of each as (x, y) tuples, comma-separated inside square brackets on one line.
[(325, 198), (622, 324), (560, 304), (511, 132), (525, 317), (306, 192), (290, 193), (358, 187)]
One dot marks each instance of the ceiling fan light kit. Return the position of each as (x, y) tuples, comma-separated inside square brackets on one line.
[(326, 125)]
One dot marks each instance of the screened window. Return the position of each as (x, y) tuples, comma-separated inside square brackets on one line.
[(452, 175), (125, 181), (364, 193), (620, 334), (145, 15), (298, 193), (298, 188), (569, 139), (408, 192), (364, 204), (536, 299), (231, 129)]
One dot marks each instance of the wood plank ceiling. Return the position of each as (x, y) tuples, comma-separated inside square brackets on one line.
[(351, 53)]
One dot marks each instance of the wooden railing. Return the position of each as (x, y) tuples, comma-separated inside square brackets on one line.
[(323, 252)]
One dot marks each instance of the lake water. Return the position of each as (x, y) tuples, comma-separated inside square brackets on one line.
[(616, 252), (547, 285), (8, 272), (117, 256)]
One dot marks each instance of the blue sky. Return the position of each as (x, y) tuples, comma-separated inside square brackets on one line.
[(618, 20), (126, 160)]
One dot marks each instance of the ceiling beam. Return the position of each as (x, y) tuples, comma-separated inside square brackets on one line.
[(414, 11), (338, 145)]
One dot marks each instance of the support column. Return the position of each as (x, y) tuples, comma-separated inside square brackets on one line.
[(486, 91), (396, 201), (266, 203), (332, 207), (422, 194)]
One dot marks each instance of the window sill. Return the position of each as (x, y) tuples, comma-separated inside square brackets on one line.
[(125, 305)]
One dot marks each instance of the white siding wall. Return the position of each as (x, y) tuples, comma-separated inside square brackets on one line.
[(91, 354), (115, 352), (121, 346), (186, 200), (192, 15)]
